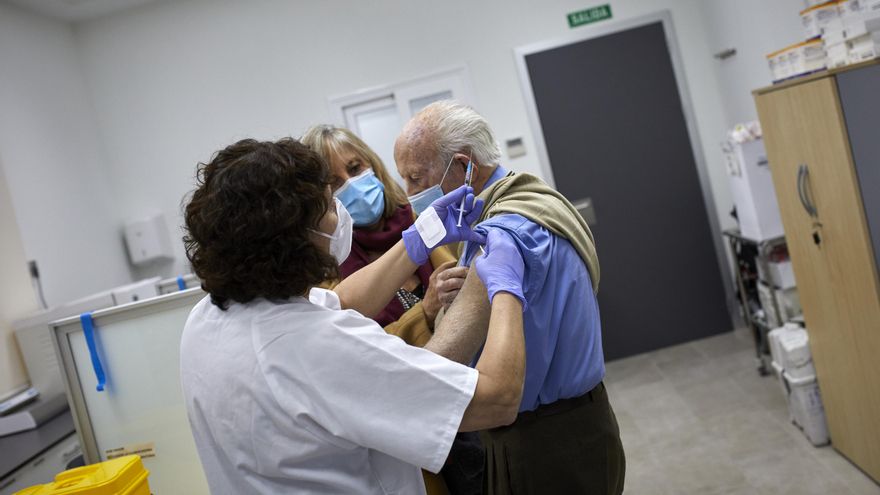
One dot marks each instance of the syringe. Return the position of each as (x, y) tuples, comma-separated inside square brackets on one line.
[(467, 180)]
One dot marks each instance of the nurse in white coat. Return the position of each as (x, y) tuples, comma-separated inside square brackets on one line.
[(293, 389)]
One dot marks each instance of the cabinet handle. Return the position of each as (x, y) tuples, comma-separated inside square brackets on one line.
[(803, 193), (800, 187)]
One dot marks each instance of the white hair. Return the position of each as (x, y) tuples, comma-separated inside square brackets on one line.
[(458, 128)]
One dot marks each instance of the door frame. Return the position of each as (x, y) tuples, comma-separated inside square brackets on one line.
[(338, 103), (591, 32)]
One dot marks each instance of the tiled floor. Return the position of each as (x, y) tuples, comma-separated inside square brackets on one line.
[(698, 419)]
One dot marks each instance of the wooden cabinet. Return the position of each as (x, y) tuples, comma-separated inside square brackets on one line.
[(806, 133)]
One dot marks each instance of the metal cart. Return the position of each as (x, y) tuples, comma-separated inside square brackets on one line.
[(758, 325)]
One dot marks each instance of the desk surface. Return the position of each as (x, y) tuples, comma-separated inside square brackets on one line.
[(16, 450)]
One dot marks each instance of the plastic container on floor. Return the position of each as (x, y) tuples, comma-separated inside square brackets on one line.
[(805, 406), (121, 476), (778, 373), (795, 354), (773, 338)]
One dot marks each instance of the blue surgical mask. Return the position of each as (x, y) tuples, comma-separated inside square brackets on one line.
[(421, 201), (364, 198)]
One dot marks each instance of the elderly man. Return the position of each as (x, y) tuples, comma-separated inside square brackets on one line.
[(565, 438)]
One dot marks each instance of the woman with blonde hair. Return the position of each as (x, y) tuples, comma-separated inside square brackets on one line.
[(381, 212)]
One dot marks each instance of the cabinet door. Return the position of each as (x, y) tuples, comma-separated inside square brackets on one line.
[(803, 129)]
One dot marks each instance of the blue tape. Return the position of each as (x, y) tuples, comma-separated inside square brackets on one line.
[(181, 284), (89, 330)]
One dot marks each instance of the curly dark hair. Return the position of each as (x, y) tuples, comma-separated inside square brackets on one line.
[(248, 222)]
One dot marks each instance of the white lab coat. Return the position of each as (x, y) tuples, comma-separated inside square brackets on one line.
[(304, 397)]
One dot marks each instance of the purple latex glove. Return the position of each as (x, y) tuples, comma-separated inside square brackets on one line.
[(501, 268), (436, 226)]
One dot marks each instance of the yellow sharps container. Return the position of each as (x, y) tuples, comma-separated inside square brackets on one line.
[(120, 476)]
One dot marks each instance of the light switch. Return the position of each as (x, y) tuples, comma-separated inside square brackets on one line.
[(515, 148)]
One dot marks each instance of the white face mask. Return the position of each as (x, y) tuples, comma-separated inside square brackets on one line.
[(340, 240)]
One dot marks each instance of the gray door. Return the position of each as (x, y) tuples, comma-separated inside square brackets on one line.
[(615, 133)]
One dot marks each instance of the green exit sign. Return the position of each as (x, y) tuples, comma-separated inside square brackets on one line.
[(587, 16)]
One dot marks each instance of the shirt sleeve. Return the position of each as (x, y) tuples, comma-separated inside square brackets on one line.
[(370, 388)]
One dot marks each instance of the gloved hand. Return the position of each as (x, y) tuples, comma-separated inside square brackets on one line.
[(436, 226), (501, 268)]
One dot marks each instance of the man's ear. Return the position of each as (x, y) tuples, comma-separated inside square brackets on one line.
[(461, 160)]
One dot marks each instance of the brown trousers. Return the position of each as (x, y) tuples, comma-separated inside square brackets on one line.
[(569, 447)]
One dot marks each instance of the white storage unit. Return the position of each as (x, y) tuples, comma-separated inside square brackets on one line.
[(141, 408), (753, 193)]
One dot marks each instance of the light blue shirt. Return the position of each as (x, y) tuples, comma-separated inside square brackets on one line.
[(563, 334)]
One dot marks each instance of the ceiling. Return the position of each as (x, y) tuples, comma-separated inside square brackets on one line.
[(77, 10)]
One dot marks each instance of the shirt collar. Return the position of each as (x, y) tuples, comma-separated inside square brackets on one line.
[(499, 173)]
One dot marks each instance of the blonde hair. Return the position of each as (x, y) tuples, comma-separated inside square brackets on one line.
[(327, 140)]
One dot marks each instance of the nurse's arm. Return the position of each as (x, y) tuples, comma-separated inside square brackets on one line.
[(369, 289), (502, 366)]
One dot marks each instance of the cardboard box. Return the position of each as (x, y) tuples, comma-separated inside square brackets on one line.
[(819, 17), (786, 299), (780, 274), (864, 47)]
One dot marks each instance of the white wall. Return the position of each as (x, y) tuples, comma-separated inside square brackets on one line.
[(16, 298), (172, 83), (53, 161), (754, 28)]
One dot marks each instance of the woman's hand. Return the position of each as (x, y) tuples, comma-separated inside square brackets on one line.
[(501, 268), (438, 225)]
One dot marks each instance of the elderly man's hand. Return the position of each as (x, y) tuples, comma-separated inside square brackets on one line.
[(431, 303), (448, 280)]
